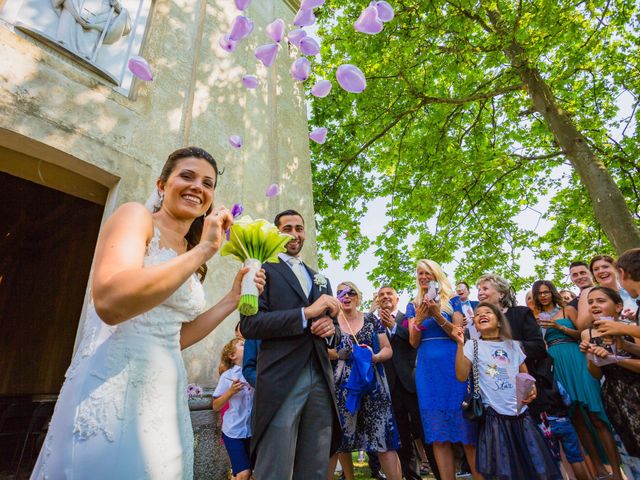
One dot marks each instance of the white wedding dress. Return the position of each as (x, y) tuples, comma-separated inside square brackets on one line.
[(122, 412)]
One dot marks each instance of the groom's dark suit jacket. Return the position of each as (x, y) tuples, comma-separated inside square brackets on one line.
[(286, 347)]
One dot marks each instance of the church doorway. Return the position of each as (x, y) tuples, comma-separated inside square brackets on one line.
[(49, 222)]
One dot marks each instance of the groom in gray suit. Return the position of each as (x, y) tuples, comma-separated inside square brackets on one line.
[(295, 418)]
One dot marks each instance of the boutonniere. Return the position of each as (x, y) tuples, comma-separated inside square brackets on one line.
[(320, 280)]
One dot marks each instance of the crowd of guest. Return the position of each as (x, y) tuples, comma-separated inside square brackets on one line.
[(401, 378)]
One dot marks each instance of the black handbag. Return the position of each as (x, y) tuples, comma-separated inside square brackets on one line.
[(472, 407)]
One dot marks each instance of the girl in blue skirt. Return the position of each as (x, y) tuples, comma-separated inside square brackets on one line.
[(510, 445)]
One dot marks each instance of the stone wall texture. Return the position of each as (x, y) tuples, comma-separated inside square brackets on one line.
[(52, 108)]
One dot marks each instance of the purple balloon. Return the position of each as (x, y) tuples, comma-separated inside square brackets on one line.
[(385, 11), (267, 53), (368, 22), (309, 4), (308, 46), (250, 81), (295, 36), (321, 89), (227, 44), (351, 78), (273, 190), (241, 28), (242, 4), (276, 30), (304, 18), (236, 141), (318, 135), (140, 68), (300, 69)]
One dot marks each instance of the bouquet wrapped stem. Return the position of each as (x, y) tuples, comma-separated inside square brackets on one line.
[(253, 242), (249, 292)]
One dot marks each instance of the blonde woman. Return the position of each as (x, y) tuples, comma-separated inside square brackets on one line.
[(432, 327)]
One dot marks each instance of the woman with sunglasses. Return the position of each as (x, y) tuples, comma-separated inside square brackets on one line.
[(372, 427), (562, 339), (440, 394)]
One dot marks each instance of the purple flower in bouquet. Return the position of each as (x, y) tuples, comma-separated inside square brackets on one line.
[(236, 211)]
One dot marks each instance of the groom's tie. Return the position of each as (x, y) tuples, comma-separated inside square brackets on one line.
[(297, 267)]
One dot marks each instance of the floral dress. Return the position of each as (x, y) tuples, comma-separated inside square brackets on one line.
[(372, 428)]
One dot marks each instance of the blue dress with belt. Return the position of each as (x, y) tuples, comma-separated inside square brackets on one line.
[(440, 394)]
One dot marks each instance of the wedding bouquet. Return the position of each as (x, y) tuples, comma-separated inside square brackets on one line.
[(253, 242)]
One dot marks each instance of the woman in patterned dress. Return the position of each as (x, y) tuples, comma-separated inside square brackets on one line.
[(372, 427)]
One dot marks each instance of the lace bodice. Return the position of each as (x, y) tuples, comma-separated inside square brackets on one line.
[(161, 323)]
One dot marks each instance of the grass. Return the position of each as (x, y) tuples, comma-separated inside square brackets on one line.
[(362, 469)]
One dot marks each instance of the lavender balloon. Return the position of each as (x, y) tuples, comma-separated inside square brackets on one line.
[(351, 78), (304, 18), (250, 81), (273, 190), (321, 89), (242, 4), (368, 22), (308, 46), (318, 135), (276, 30), (140, 68), (309, 4), (267, 53), (227, 44), (296, 36), (241, 28), (385, 11), (300, 69), (236, 141)]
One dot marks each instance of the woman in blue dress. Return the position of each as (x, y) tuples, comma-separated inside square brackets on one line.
[(431, 326)]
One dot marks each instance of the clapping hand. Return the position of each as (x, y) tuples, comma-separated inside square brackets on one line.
[(422, 312), (458, 335), (387, 320)]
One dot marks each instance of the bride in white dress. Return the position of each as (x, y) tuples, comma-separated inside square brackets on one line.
[(122, 412)]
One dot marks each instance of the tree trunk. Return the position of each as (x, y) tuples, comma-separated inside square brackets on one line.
[(609, 205)]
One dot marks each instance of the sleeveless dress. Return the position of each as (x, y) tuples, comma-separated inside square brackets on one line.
[(372, 428), (572, 372), (440, 394), (122, 411)]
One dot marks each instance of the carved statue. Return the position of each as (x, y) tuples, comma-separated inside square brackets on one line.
[(85, 25)]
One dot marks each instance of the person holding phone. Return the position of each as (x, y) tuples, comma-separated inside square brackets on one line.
[(432, 325)]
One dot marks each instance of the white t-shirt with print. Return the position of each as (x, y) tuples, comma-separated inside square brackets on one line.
[(236, 422), (498, 364)]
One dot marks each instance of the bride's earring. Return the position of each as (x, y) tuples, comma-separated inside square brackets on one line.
[(160, 200)]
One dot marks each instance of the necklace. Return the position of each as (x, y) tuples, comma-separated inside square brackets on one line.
[(491, 338)]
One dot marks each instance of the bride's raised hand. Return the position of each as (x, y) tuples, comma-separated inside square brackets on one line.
[(215, 224)]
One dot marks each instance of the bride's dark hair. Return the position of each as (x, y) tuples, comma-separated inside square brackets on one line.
[(195, 231)]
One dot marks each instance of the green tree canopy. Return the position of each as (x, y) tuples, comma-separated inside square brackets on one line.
[(473, 112)]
